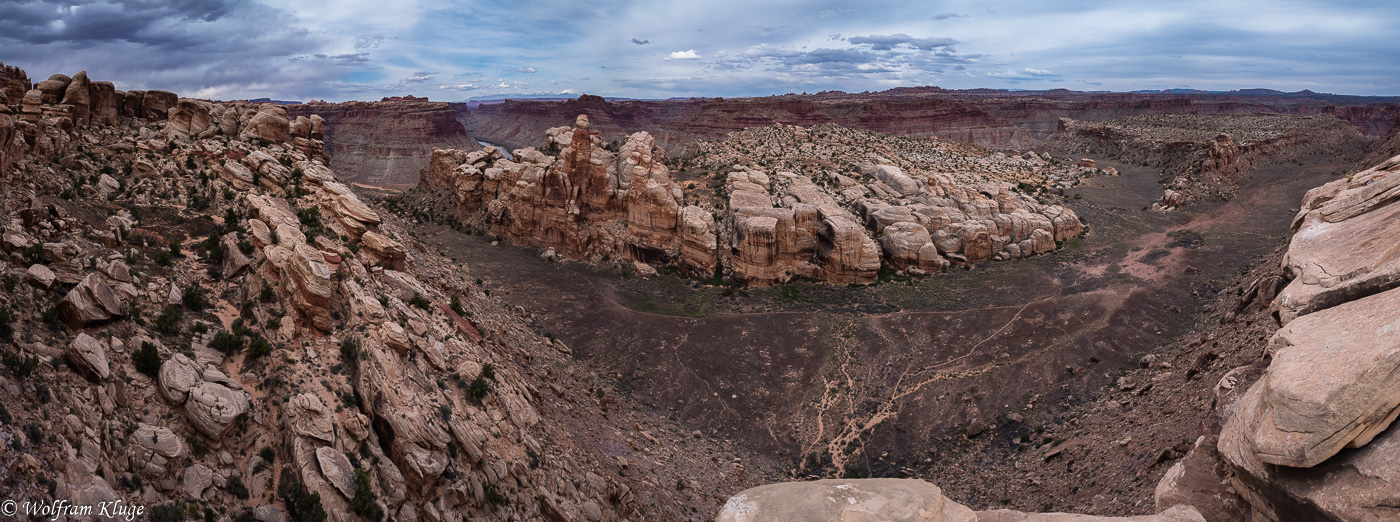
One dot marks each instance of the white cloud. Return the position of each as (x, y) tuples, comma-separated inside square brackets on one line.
[(684, 55), (526, 70)]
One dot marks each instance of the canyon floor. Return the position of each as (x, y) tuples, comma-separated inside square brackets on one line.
[(965, 378)]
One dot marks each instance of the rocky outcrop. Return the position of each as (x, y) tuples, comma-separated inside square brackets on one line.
[(383, 143), (1308, 438), (890, 499), (1340, 249), (591, 203)]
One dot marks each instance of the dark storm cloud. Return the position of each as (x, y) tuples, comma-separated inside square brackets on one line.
[(640, 42)]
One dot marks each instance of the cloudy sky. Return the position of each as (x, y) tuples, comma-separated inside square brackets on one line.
[(451, 50)]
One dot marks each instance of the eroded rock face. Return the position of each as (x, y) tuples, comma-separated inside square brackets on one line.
[(1332, 384), (770, 227), (157, 448), (1341, 248), (270, 123), (310, 285)]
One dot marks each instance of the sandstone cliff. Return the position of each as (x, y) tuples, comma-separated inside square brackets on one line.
[(387, 142), (774, 203), (1206, 157)]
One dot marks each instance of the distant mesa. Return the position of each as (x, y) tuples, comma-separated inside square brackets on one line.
[(406, 98)]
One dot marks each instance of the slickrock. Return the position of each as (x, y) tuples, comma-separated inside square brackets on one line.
[(308, 284), (337, 470), (845, 499), (891, 499), (1341, 248), (91, 302)]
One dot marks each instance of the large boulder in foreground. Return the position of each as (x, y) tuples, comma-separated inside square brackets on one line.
[(1343, 245), (845, 499), (1361, 484), (851, 500), (1334, 383)]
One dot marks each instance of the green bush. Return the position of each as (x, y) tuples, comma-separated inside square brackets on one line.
[(194, 299), (7, 327), (226, 342), (169, 320), (365, 503), (302, 505), (147, 359), (419, 301), (456, 305), (259, 347)]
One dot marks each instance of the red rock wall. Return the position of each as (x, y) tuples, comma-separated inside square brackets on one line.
[(385, 143)]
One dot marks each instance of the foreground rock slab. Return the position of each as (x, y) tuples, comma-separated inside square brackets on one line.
[(890, 500)]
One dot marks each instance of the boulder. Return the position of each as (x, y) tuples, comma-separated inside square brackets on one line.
[(896, 179), (40, 276), (196, 479), (156, 104), (386, 249), (91, 302), (212, 407), (337, 470), (87, 356), (178, 375), (190, 117), (155, 447), (270, 123), (844, 500), (308, 416), (1334, 383), (78, 94)]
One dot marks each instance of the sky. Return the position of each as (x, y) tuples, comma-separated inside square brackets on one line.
[(339, 50)]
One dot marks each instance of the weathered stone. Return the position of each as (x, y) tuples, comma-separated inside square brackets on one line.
[(156, 104), (178, 375), (308, 417), (308, 280), (87, 356), (270, 123), (1334, 382), (844, 500), (40, 276), (196, 479), (213, 407), (1342, 243), (337, 470), (155, 448), (91, 302)]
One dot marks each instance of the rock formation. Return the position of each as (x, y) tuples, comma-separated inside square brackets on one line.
[(773, 226), (224, 322)]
